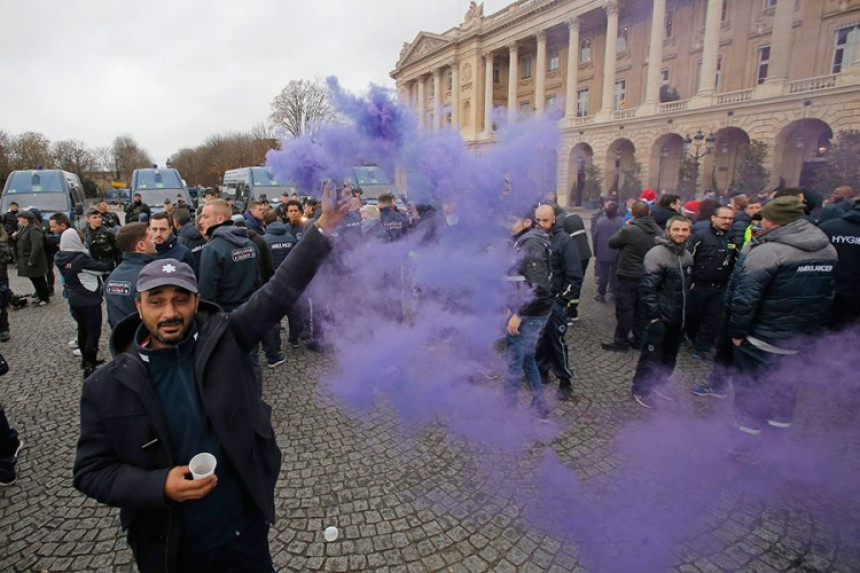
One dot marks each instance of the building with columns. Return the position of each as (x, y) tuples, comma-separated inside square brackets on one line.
[(653, 85)]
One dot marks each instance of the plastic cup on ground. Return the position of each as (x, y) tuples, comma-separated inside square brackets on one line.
[(330, 533), (202, 465)]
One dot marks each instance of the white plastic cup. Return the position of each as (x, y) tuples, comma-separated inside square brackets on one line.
[(330, 533), (202, 465)]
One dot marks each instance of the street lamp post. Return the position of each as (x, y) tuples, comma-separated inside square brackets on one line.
[(696, 147), (617, 171)]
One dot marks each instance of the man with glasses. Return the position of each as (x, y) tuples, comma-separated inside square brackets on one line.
[(713, 261)]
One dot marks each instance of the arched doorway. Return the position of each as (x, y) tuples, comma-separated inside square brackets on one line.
[(622, 173), (580, 160), (729, 146), (666, 163), (800, 151)]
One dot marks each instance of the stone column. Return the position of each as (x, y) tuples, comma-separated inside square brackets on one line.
[(780, 42), (540, 73), (422, 98), (513, 79), (488, 93), (572, 68), (609, 55), (455, 94), (437, 99), (655, 52), (711, 47)]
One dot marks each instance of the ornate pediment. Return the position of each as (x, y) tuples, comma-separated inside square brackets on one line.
[(424, 43)]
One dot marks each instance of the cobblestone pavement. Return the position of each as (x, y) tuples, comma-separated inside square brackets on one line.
[(425, 499)]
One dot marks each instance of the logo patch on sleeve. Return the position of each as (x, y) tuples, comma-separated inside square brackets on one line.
[(118, 288), (243, 254)]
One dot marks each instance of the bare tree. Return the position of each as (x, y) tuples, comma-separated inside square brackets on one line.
[(6, 155), (73, 155), (123, 157), (206, 164), (31, 150), (301, 107)]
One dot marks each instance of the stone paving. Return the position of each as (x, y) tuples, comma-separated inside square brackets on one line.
[(419, 499)]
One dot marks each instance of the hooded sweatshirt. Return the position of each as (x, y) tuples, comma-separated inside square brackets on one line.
[(229, 271), (81, 273)]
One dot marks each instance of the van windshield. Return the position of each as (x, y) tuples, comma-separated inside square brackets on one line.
[(54, 201), (370, 175), (262, 177), (153, 179), (34, 182)]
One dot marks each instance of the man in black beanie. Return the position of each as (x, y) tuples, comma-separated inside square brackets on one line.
[(767, 327)]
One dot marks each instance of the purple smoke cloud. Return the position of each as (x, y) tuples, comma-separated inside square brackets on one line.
[(415, 324)]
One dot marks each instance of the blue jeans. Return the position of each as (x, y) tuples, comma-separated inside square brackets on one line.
[(520, 352)]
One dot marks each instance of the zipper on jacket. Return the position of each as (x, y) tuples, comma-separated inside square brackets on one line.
[(683, 293)]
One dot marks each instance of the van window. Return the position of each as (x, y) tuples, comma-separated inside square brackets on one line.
[(152, 179), (370, 175), (56, 201), (35, 182), (262, 177)]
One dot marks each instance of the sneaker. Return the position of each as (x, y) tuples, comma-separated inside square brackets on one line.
[(42, 303), (614, 347), (278, 360), (705, 390), (572, 315), (701, 355), (541, 415), (644, 400), (293, 343), (73, 343), (76, 351), (4, 336), (664, 394)]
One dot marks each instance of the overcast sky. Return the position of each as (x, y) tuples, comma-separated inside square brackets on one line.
[(173, 72)]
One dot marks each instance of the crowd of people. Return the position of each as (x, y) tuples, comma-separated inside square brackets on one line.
[(192, 298)]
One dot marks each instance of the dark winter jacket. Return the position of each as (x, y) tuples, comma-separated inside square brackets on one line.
[(190, 236), (298, 231), (82, 274), (633, 241), (662, 215), (574, 227), (10, 221), (394, 222), (173, 249), (784, 287), (101, 243), (253, 223), (121, 287), (30, 257), (665, 284), (134, 210), (565, 267), (265, 262), (738, 229), (532, 274), (280, 242), (229, 270), (835, 211), (124, 451), (844, 235), (600, 233), (713, 257)]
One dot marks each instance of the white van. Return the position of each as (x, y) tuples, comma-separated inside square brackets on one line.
[(253, 183)]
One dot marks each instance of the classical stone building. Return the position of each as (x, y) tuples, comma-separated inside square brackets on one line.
[(661, 86)]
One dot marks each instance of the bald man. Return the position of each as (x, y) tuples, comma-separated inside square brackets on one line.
[(228, 263)]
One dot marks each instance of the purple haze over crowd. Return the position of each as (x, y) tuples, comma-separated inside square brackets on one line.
[(414, 324)]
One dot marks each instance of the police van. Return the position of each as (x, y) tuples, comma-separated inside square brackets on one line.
[(155, 185), (47, 190), (252, 184)]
